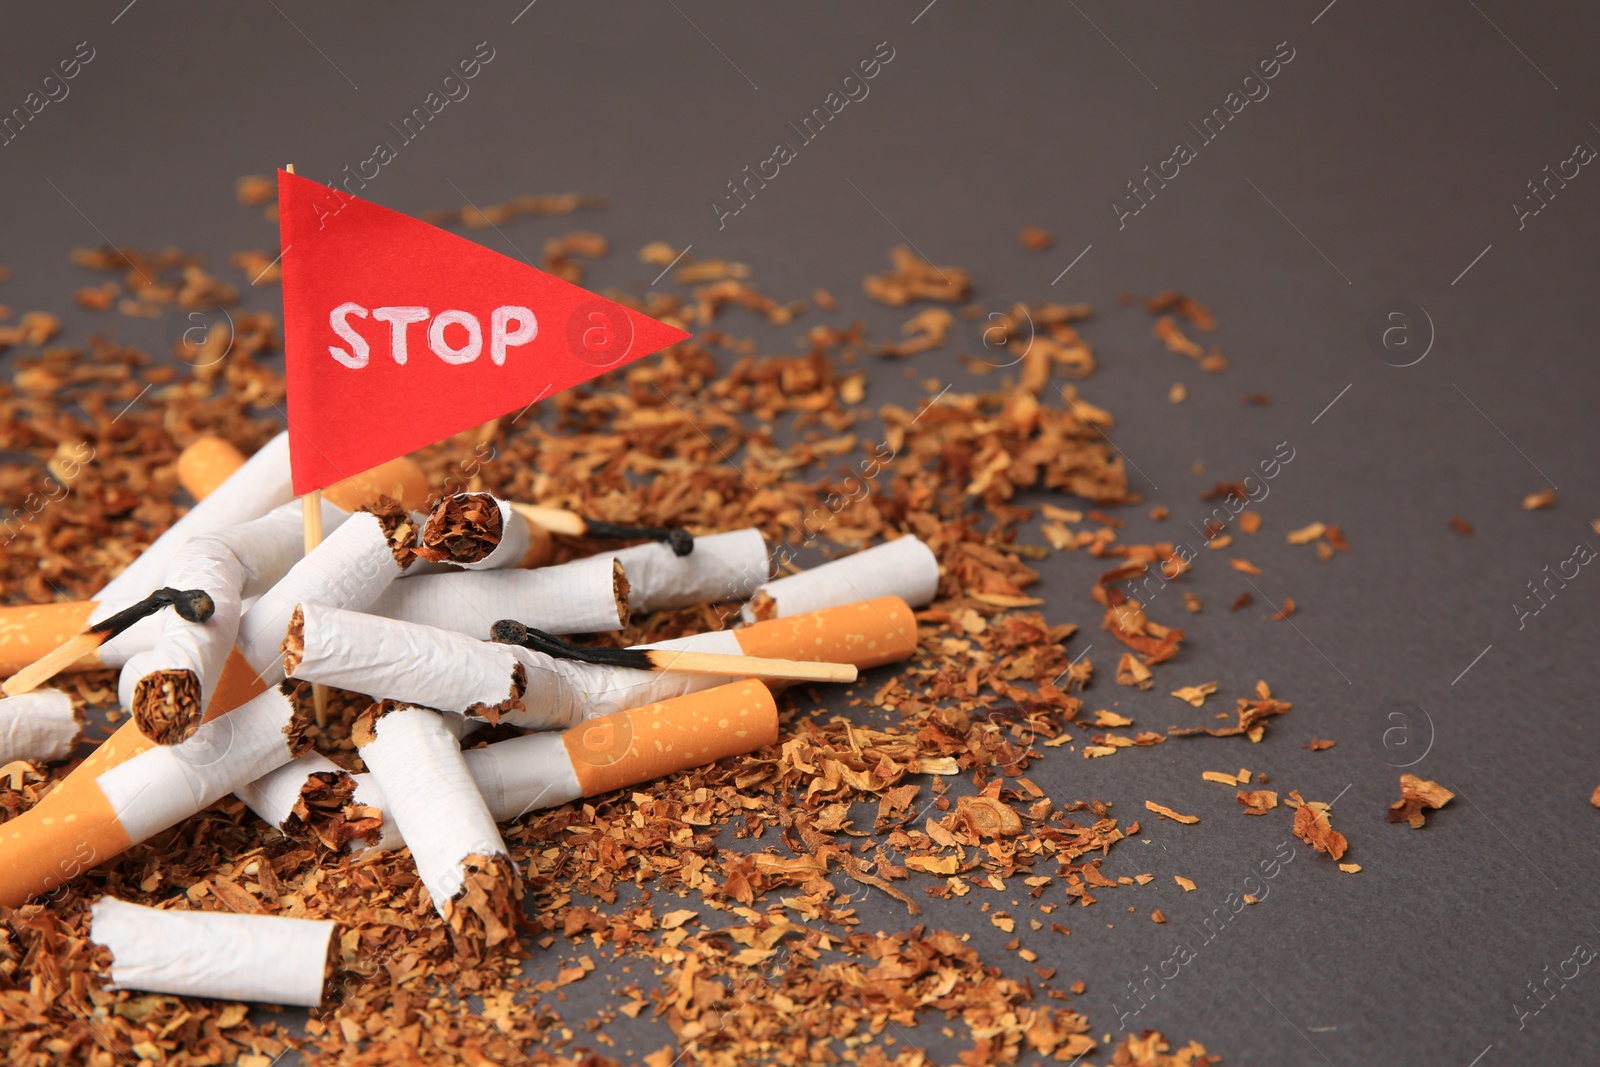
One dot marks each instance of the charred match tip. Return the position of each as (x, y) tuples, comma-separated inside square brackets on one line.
[(508, 632), (193, 605), (681, 541)]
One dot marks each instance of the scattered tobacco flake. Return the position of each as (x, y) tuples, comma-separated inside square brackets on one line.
[(1195, 694), (1244, 566), (1034, 239), (1192, 603), (914, 278), (1319, 744), (1252, 716), (1183, 883), (1312, 825), (1257, 801), (1245, 600), (1182, 304), (1544, 498), (1249, 521), (1285, 611), (1157, 916), (1594, 798), (1168, 813), (1417, 794), (1462, 526), (1258, 399), (1306, 534)]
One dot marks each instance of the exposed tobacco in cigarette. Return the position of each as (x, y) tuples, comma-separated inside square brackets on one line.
[(167, 706)]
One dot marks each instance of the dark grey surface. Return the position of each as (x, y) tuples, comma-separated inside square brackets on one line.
[(1385, 159)]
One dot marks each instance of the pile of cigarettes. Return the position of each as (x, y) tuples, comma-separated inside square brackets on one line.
[(379, 777)]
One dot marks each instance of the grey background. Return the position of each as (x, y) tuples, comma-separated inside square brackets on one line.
[(1382, 164)]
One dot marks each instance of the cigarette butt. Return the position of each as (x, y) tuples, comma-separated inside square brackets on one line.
[(460, 855), (273, 959), (39, 726), (398, 479), (206, 464), (868, 634), (905, 568), (659, 739), (546, 769)]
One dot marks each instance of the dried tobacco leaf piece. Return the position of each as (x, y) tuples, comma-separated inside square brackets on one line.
[(1283, 612), (1168, 333), (1182, 304), (1244, 566), (1131, 672), (1311, 825), (1185, 884), (1417, 794), (1319, 744), (1151, 1049), (1034, 239), (1462, 526), (1257, 801), (1244, 601), (1544, 498), (1195, 694), (914, 278), (1307, 534), (1168, 813)]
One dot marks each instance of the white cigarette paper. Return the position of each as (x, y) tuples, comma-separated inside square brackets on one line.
[(573, 598), (221, 955), (904, 567), (724, 566), (418, 664), (38, 727), (262, 484), (351, 568), (165, 784), (431, 795), (233, 565)]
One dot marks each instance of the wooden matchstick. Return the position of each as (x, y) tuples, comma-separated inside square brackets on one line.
[(193, 605), (562, 521), (511, 632)]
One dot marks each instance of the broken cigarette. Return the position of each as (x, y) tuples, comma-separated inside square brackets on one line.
[(29, 631), (38, 727), (460, 856), (724, 566), (167, 687), (904, 567), (272, 959), (479, 532), (129, 788), (511, 632), (584, 596), (625, 748)]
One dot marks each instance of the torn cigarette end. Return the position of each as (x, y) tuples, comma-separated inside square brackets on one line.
[(167, 706), (640, 744), (484, 913), (294, 641), (297, 731), (364, 731), (619, 589), (513, 704), (399, 529), (326, 812), (464, 528)]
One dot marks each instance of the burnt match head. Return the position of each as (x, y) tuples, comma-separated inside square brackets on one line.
[(508, 632), (681, 542), (193, 605)]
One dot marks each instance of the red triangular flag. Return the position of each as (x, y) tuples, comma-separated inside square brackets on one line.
[(398, 334)]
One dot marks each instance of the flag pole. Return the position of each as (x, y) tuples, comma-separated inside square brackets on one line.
[(311, 518)]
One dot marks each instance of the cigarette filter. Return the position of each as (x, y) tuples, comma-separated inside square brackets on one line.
[(724, 566), (38, 727), (268, 958), (904, 567), (459, 853), (206, 464), (584, 596), (868, 633), (626, 748)]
